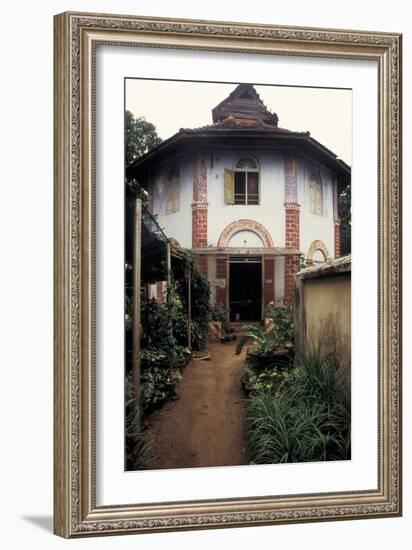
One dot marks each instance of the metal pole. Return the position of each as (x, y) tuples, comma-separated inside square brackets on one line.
[(189, 310), (136, 313), (168, 290), (169, 262)]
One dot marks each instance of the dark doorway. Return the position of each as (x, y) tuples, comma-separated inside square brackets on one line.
[(245, 290)]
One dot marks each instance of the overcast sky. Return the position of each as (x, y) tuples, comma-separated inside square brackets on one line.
[(171, 105)]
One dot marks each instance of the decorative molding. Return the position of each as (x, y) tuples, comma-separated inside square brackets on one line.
[(234, 30), (199, 205), (318, 245), (242, 225)]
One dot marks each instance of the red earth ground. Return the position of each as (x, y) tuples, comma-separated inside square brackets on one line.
[(205, 427)]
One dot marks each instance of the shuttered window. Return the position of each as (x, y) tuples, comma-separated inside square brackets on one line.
[(173, 191), (242, 184), (229, 187), (315, 195)]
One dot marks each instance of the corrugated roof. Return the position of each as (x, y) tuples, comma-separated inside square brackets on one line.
[(332, 267)]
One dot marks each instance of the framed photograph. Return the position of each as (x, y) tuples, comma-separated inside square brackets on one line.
[(227, 274)]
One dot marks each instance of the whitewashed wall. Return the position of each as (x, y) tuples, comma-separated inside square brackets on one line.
[(312, 226), (178, 224), (270, 211)]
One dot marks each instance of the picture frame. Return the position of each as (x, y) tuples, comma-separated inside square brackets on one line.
[(76, 38)]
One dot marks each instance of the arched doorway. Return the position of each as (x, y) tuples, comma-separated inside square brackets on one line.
[(242, 240)]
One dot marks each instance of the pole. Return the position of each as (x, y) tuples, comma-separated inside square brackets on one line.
[(169, 290), (136, 313), (169, 262), (189, 310)]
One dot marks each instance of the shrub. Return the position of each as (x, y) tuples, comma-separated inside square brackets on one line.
[(219, 313), (307, 419), (157, 384), (266, 351), (200, 306), (137, 449), (268, 380), (274, 347), (283, 325)]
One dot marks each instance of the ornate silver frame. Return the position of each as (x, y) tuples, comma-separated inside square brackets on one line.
[(76, 36)]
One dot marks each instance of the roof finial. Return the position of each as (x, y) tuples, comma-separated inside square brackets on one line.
[(244, 103)]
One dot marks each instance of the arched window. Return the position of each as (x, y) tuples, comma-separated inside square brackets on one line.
[(315, 195), (173, 190), (319, 257), (246, 181)]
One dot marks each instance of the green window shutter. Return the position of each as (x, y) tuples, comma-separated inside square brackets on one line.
[(229, 187)]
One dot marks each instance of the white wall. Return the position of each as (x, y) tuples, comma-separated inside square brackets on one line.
[(177, 224), (313, 226), (270, 212), (26, 276)]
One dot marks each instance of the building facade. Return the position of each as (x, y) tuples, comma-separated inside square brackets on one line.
[(250, 198)]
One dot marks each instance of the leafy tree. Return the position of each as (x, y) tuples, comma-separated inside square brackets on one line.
[(140, 137), (344, 208)]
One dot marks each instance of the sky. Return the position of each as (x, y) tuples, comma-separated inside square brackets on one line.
[(171, 105)]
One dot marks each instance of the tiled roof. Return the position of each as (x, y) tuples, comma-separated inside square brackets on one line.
[(232, 123)]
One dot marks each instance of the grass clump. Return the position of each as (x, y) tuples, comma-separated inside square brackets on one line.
[(307, 419)]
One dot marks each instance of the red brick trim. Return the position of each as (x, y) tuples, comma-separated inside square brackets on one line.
[(199, 227), (292, 226), (291, 268), (245, 225), (337, 238), (199, 206)]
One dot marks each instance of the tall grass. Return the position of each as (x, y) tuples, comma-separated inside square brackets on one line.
[(307, 420)]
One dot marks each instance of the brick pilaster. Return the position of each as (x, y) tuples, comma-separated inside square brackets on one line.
[(337, 237), (199, 225), (291, 267), (199, 205), (199, 209), (292, 226)]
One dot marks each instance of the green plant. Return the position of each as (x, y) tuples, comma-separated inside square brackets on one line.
[(269, 380), (183, 354), (180, 320), (307, 419), (219, 313), (157, 384), (270, 344), (283, 326), (200, 303), (137, 449), (262, 342)]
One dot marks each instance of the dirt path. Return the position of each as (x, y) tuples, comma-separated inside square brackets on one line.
[(205, 427)]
